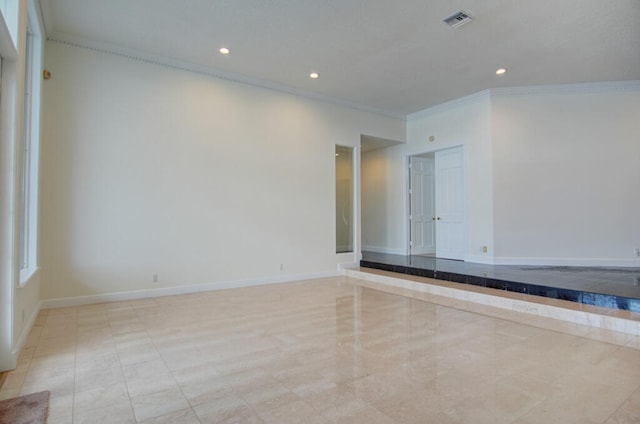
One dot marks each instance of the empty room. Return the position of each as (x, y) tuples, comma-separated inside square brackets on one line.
[(423, 211)]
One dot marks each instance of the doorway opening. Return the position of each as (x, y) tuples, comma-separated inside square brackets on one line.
[(437, 204), (382, 204)]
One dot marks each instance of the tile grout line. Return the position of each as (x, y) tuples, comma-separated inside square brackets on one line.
[(171, 372), (75, 373), (126, 384)]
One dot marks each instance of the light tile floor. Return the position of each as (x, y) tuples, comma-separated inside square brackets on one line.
[(324, 351)]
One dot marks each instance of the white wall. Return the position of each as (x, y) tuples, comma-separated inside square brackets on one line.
[(380, 176), (552, 174), (152, 170), (464, 122), (567, 174)]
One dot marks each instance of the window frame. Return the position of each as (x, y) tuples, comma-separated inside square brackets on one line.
[(30, 149)]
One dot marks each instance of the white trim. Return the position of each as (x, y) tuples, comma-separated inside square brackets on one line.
[(26, 330), (567, 261), (585, 88), (357, 205), (406, 181), (30, 146), (178, 290), (534, 309), (137, 55), (348, 260), (44, 13), (26, 275), (582, 88), (449, 105), (488, 260), (387, 250), (348, 265)]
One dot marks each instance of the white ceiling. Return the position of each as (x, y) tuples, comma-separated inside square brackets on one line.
[(397, 57)]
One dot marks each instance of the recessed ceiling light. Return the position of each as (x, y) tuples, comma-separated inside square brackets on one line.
[(224, 50), (501, 71), (314, 75)]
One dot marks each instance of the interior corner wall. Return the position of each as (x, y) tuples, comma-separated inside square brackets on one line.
[(567, 176), (381, 193), (150, 170), (464, 122)]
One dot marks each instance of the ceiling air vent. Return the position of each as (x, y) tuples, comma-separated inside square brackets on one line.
[(457, 19)]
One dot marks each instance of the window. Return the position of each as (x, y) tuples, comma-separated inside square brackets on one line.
[(30, 150)]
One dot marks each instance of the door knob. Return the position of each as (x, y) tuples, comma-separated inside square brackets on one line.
[(433, 219), (438, 218)]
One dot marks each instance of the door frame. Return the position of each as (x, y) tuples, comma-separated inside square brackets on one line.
[(407, 178)]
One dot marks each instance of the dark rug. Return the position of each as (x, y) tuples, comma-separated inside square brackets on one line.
[(28, 409)]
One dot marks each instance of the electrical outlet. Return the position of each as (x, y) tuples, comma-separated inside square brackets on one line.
[(281, 267), (636, 251), (484, 249), (155, 278)]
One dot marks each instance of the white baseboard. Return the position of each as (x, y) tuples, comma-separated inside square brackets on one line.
[(505, 260), (178, 290), (26, 329), (387, 250), (348, 265), (602, 262), (488, 260), (348, 260)]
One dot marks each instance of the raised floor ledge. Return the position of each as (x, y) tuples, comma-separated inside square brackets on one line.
[(581, 319)]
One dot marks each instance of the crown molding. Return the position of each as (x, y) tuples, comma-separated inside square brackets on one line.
[(579, 88), (535, 90), (480, 95), (158, 60)]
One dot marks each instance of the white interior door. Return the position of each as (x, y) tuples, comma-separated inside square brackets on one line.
[(450, 206), (422, 208)]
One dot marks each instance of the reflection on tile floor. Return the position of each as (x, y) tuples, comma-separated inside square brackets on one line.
[(323, 351), (617, 288)]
